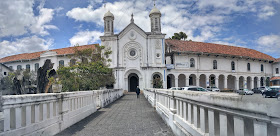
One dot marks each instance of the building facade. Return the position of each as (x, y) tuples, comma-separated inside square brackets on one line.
[(139, 57)]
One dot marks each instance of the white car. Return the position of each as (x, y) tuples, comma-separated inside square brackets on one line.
[(175, 88), (213, 89), (245, 92), (194, 88)]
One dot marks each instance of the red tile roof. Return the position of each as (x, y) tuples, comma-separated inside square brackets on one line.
[(277, 60), (191, 46), (35, 55), (275, 78)]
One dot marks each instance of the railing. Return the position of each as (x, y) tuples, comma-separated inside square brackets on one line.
[(214, 114), (49, 114)]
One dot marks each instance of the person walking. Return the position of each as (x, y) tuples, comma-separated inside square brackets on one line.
[(137, 91)]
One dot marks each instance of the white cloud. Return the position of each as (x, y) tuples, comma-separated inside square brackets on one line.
[(24, 45), (269, 44), (17, 18), (201, 22), (85, 37)]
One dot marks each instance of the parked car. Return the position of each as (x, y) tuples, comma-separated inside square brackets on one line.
[(245, 92), (175, 88), (263, 88), (256, 90), (194, 88), (213, 89), (272, 92)]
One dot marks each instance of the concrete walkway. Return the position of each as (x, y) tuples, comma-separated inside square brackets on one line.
[(127, 116)]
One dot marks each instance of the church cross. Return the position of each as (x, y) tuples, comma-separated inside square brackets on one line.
[(154, 2)]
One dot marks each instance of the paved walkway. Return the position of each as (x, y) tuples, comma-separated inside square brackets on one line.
[(127, 116)]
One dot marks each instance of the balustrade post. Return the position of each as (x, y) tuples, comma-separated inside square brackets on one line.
[(223, 124), (211, 122), (195, 116), (190, 113), (238, 126), (51, 109), (177, 107), (44, 111), (28, 115), (173, 103), (185, 111), (37, 112), (202, 120), (181, 109), (18, 117), (260, 128), (7, 121)]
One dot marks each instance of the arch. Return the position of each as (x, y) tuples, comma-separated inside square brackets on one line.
[(202, 80), (170, 80), (133, 71), (133, 82), (212, 81), (215, 64), (181, 80), (231, 82), (262, 81), (232, 65), (221, 82), (155, 77), (192, 63), (267, 81), (249, 81), (192, 80), (241, 82), (255, 82)]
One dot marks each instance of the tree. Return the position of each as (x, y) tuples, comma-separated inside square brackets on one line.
[(180, 36), (157, 82), (91, 71)]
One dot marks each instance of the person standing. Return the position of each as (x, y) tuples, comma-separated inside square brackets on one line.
[(137, 91)]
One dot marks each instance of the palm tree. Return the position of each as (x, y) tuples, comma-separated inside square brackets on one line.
[(180, 36)]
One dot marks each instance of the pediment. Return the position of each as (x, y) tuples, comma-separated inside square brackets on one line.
[(131, 26)]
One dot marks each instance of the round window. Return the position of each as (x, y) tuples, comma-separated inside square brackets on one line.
[(132, 53), (158, 55)]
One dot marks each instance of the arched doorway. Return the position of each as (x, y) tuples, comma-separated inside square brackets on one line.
[(170, 81), (133, 82)]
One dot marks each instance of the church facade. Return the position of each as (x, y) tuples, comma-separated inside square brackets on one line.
[(139, 57)]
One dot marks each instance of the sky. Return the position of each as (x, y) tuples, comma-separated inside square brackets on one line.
[(36, 25)]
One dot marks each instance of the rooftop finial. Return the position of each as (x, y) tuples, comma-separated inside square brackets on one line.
[(132, 20), (154, 2)]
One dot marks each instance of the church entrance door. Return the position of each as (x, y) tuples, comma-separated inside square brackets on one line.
[(133, 82)]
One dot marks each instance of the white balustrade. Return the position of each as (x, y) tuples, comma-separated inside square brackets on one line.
[(48, 114), (211, 113)]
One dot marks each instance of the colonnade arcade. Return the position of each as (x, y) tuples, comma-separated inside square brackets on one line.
[(222, 81)]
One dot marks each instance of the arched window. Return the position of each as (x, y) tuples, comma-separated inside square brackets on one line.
[(19, 67), (61, 63), (248, 66), (277, 70), (215, 65), (192, 63), (72, 62), (36, 67), (261, 67), (232, 65), (27, 67)]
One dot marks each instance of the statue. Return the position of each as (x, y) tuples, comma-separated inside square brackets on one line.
[(43, 78)]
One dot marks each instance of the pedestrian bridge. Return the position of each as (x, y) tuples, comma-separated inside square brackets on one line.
[(163, 112)]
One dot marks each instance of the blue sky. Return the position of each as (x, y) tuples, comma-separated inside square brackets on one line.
[(35, 25)]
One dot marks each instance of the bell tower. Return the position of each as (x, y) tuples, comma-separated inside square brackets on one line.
[(108, 24), (155, 16)]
